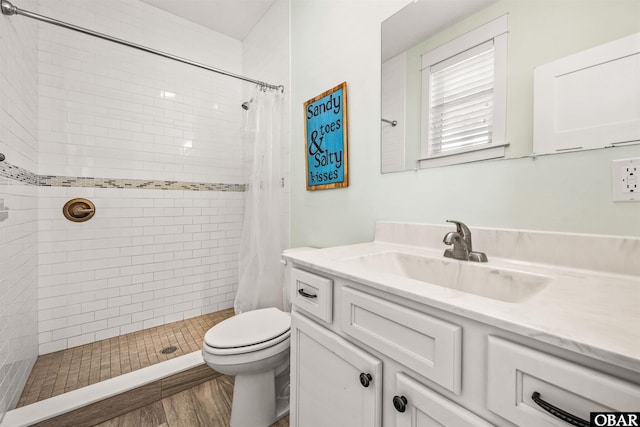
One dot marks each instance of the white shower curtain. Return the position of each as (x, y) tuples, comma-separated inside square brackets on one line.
[(261, 275)]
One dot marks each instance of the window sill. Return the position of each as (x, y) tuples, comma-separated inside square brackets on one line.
[(454, 158)]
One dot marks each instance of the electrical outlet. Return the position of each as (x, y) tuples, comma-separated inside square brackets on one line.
[(625, 181)]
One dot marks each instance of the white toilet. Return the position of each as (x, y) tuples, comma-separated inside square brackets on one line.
[(254, 347)]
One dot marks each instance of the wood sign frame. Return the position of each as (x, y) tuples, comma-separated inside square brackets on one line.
[(325, 129)]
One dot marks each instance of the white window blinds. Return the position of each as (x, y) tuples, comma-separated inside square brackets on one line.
[(461, 100)]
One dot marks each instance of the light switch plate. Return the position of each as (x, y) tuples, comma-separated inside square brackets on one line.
[(625, 180)]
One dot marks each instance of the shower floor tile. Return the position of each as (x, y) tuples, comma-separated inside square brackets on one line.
[(66, 370)]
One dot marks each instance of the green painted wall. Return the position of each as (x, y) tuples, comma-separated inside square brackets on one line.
[(339, 40)]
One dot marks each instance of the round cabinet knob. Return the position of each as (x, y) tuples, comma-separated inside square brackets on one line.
[(400, 403), (365, 379)]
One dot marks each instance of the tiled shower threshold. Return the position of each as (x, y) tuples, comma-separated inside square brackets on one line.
[(136, 389), (160, 376)]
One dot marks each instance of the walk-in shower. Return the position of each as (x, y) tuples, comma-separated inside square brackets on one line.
[(165, 173)]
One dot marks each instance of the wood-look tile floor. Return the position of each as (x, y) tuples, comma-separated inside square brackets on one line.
[(206, 405), (63, 371)]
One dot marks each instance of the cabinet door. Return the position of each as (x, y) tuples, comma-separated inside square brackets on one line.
[(419, 406), (327, 388)]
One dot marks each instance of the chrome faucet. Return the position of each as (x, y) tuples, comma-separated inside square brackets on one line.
[(462, 247)]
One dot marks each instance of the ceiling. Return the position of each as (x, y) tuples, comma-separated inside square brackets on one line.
[(234, 18)]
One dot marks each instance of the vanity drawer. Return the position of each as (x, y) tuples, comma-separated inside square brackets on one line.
[(312, 293), (517, 372), (429, 346)]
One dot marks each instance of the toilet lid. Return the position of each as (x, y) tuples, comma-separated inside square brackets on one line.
[(250, 328)]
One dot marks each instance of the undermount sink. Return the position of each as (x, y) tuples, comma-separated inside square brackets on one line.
[(480, 279)]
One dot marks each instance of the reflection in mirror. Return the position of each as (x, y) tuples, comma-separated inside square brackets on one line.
[(539, 32), (413, 24)]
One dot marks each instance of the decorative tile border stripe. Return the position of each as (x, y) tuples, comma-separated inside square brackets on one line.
[(67, 181), (17, 173)]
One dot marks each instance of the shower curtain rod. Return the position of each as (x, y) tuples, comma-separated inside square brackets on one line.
[(10, 9)]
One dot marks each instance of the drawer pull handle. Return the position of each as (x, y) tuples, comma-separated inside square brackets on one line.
[(558, 413), (306, 295), (365, 379), (400, 403)]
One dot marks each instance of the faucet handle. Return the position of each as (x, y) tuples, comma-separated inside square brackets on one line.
[(464, 232), (461, 227)]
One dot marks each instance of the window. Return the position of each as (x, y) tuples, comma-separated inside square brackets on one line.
[(464, 97)]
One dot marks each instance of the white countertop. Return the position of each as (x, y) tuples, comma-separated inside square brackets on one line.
[(592, 312)]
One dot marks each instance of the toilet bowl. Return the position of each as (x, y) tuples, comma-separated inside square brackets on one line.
[(253, 347)]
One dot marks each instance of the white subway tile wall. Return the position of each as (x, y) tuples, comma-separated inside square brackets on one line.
[(111, 111), (148, 257), (18, 207), (18, 288), (19, 85)]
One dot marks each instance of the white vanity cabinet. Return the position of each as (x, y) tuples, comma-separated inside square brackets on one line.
[(353, 367), (363, 356), (334, 383)]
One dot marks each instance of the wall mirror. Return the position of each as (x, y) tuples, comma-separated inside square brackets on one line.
[(539, 32)]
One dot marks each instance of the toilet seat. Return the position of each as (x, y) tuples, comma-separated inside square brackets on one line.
[(248, 332), (254, 347)]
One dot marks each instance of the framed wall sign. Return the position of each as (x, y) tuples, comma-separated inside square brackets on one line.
[(326, 139)]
